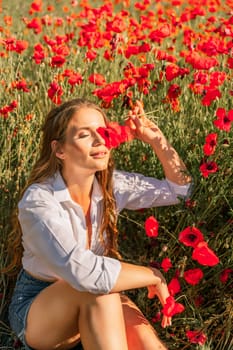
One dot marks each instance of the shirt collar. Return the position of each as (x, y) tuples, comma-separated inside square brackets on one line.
[(62, 194)]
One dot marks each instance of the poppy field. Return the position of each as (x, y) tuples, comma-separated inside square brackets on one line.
[(175, 56)]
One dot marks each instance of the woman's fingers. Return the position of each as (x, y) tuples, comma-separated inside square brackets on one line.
[(166, 321)]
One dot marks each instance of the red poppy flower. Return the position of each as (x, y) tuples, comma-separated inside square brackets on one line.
[(163, 31), (145, 47), (39, 53), (212, 46), (197, 88), (201, 62), (91, 55), (230, 62), (20, 85), (97, 79), (193, 276), (75, 79), (5, 110), (20, 46), (210, 144), (57, 61), (36, 6), (111, 137), (173, 71), (211, 93), (61, 50), (36, 25), (174, 91), (199, 300), (200, 77), (191, 236), (204, 255), (166, 264), (116, 25), (174, 286), (224, 119), (172, 308), (47, 20), (224, 276), (115, 134), (207, 168), (55, 92), (151, 227), (196, 337), (163, 55), (9, 44), (131, 50), (112, 90), (8, 20), (217, 78)]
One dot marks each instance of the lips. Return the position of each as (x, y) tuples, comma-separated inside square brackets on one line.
[(100, 154)]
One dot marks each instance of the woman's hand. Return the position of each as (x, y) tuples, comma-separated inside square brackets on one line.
[(161, 291), (145, 130), (141, 127)]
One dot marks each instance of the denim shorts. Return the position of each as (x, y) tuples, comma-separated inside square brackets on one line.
[(26, 289)]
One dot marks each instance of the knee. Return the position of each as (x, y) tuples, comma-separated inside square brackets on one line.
[(106, 300), (102, 304)]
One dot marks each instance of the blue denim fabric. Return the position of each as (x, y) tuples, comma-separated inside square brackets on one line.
[(26, 289)]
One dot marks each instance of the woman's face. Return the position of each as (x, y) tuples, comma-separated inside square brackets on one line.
[(84, 150)]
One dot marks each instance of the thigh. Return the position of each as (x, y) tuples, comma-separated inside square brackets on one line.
[(25, 291), (52, 320), (140, 333)]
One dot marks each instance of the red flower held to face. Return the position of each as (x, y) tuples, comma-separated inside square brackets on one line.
[(191, 236), (204, 255), (115, 134), (152, 227)]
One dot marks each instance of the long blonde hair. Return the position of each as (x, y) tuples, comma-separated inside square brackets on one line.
[(48, 164)]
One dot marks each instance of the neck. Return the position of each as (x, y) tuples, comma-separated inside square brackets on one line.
[(80, 188)]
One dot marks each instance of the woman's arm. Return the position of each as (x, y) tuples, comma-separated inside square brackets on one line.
[(135, 276), (147, 131)]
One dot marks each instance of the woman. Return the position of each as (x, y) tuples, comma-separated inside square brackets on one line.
[(71, 279)]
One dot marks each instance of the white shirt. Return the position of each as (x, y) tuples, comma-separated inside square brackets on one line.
[(55, 233)]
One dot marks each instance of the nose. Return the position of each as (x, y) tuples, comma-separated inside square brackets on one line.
[(98, 139)]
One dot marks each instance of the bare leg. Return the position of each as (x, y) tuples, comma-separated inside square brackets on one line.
[(102, 324), (59, 313), (140, 334)]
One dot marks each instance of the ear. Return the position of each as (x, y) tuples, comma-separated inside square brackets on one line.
[(57, 149)]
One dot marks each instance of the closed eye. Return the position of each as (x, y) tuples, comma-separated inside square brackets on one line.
[(83, 135)]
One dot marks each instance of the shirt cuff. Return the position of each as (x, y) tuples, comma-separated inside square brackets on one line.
[(181, 190), (108, 277)]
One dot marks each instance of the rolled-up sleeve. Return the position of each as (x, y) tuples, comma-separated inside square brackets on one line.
[(134, 191), (48, 234)]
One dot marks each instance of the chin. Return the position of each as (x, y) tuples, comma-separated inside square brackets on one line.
[(104, 167)]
